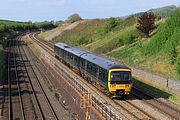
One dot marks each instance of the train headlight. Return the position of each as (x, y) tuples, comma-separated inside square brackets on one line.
[(112, 85)]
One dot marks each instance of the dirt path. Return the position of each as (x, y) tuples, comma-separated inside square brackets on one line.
[(49, 35)]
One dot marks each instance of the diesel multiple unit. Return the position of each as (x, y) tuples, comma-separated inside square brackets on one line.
[(116, 78)]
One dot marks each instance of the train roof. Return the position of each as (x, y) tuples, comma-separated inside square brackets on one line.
[(61, 45), (100, 61), (73, 50)]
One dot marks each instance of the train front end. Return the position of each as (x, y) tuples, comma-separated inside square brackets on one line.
[(119, 81)]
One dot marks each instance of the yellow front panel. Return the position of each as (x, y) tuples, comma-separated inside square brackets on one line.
[(113, 87)]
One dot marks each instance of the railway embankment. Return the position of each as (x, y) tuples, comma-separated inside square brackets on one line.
[(164, 83), (142, 98)]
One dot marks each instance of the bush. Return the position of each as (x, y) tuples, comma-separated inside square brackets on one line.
[(130, 37), (178, 67), (111, 23), (173, 53), (79, 41)]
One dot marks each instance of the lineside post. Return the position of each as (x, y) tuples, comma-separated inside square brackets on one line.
[(86, 103)]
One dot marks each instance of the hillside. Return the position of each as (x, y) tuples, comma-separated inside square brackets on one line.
[(161, 54), (162, 12), (49, 35), (124, 43)]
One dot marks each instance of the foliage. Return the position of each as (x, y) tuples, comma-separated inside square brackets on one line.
[(178, 67), (146, 23), (167, 34), (73, 18), (129, 37), (11, 28), (45, 25), (110, 24), (173, 53), (79, 41)]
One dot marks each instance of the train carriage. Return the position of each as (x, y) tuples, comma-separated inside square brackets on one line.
[(116, 78)]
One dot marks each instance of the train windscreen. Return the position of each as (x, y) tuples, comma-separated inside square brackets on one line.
[(120, 77)]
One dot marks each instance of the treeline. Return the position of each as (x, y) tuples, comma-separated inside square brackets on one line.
[(11, 28)]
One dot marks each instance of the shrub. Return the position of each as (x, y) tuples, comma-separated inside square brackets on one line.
[(173, 53), (111, 23), (178, 67), (129, 37)]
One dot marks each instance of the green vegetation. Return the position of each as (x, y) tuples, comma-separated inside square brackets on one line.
[(110, 24), (119, 32), (167, 36), (10, 29), (164, 11), (160, 53)]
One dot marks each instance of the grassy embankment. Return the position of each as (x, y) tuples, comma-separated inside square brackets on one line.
[(158, 54), (123, 42), (32, 46)]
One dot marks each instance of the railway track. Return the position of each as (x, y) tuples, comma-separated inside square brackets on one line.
[(159, 105), (46, 110), (26, 98), (14, 89)]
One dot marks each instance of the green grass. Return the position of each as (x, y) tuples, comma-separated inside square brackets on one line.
[(88, 35), (156, 53), (124, 43)]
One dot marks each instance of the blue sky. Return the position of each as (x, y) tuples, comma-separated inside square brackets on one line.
[(40, 10)]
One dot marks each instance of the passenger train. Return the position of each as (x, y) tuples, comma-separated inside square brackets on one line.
[(116, 78)]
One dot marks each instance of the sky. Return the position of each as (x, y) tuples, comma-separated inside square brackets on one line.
[(41, 10)]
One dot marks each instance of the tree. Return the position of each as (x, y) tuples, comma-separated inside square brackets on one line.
[(146, 23), (73, 18)]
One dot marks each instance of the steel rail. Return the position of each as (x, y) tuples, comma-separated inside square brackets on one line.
[(10, 115), (177, 112), (18, 84), (44, 93), (174, 112), (33, 91), (150, 116)]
